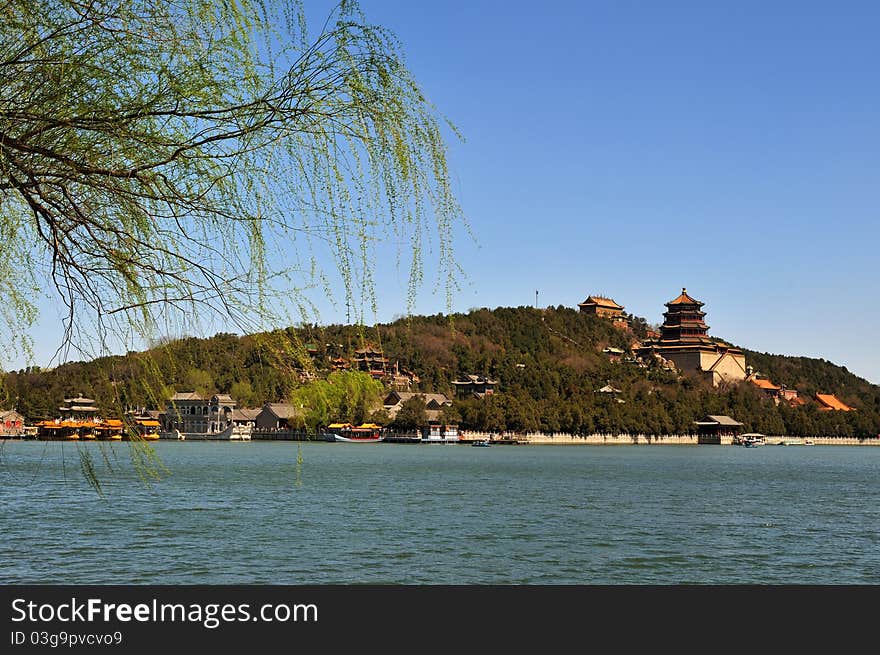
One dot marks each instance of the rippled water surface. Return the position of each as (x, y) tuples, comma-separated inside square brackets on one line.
[(430, 514)]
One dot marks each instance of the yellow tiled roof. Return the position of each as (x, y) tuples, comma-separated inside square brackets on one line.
[(684, 299), (832, 402), (602, 301), (765, 384)]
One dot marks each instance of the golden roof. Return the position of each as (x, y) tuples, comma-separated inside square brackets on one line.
[(684, 299), (832, 402), (765, 384), (602, 301)]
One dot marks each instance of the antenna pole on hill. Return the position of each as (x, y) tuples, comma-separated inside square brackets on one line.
[(536, 299)]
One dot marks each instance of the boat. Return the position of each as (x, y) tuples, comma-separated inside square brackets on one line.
[(141, 426), (92, 429), (348, 433), (79, 421), (481, 443), (752, 440), (229, 433)]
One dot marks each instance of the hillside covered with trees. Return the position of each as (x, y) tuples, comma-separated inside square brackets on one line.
[(549, 365)]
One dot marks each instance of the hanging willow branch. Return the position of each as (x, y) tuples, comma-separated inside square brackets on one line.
[(168, 162), (185, 159)]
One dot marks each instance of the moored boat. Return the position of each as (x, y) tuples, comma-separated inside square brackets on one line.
[(79, 421), (229, 433), (752, 440), (190, 416), (347, 433)]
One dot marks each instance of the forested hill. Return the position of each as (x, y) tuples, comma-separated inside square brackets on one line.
[(549, 365)]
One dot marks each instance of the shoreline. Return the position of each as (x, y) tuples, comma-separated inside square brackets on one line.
[(562, 439), (537, 439)]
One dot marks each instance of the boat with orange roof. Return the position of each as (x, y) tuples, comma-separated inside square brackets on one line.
[(79, 421)]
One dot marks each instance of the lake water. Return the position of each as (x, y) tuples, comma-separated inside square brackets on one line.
[(442, 514)]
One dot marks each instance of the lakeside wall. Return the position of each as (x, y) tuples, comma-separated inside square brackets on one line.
[(565, 439), (613, 439)]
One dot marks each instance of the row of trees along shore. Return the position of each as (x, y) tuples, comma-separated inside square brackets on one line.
[(549, 365)]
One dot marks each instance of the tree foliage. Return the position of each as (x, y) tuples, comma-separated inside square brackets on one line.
[(412, 414), (164, 162), (344, 397)]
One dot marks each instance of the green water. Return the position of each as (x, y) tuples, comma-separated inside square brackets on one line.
[(442, 514)]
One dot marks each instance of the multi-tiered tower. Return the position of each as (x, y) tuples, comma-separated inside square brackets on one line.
[(684, 340), (683, 324)]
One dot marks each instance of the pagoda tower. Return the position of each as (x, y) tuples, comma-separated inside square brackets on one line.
[(684, 340), (683, 324)]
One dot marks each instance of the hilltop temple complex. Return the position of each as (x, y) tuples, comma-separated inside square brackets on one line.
[(684, 341), (604, 308)]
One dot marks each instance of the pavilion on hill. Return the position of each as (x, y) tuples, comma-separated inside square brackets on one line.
[(604, 308), (371, 360), (601, 306)]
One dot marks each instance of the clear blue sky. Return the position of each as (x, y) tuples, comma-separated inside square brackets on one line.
[(633, 148)]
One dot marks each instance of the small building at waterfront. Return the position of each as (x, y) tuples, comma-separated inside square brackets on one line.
[(191, 412), (277, 416), (439, 433), (11, 423), (714, 429), (80, 419), (245, 417), (684, 341)]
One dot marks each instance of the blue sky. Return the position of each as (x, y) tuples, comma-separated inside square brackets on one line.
[(635, 148)]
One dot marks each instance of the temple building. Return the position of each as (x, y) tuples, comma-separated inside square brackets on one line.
[(828, 402), (604, 308), (469, 386), (684, 341), (370, 360)]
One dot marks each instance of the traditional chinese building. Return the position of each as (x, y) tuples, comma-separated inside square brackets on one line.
[(474, 385), (601, 306), (278, 416), (340, 364), (779, 393), (80, 419), (11, 423), (828, 402), (684, 340), (766, 386), (434, 403), (604, 308), (371, 361), (402, 379), (715, 429)]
